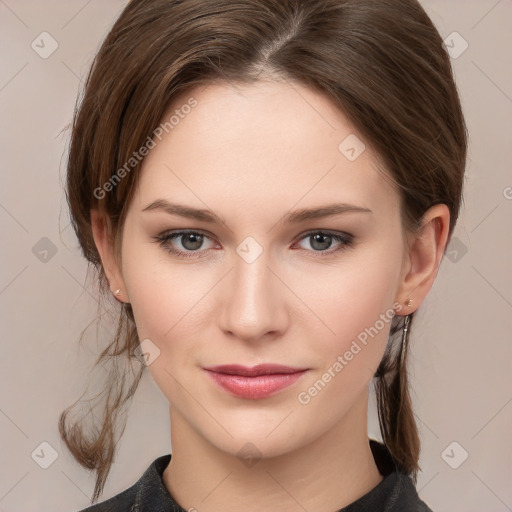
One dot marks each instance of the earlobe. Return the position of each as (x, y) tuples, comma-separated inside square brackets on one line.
[(102, 239), (425, 251)]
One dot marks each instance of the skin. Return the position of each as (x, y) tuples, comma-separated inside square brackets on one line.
[(252, 154)]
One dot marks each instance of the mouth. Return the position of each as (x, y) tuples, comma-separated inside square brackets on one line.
[(255, 382), (254, 371)]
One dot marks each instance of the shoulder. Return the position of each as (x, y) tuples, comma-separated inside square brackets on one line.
[(146, 492), (406, 498), (395, 493), (122, 502)]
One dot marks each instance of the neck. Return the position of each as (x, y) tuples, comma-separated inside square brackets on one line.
[(323, 475)]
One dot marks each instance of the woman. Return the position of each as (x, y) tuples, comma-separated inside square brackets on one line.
[(267, 188)]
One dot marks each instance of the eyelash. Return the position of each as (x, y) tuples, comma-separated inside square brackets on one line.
[(164, 240)]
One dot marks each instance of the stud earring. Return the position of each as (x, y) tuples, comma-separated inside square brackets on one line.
[(117, 292), (408, 303)]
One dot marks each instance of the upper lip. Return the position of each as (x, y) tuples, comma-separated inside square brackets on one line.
[(254, 371)]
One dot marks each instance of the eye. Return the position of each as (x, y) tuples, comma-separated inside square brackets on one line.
[(192, 241), (320, 241)]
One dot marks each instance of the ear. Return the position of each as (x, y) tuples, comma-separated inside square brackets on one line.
[(423, 257), (102, 238)]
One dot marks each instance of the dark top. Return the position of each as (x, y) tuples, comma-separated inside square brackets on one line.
[(395, 493)]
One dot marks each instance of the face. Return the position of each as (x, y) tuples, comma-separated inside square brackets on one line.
[(262, 281)]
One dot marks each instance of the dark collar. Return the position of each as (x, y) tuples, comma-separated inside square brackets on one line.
[(396, 492)]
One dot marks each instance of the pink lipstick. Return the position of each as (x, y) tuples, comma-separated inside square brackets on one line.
[(254, 383)]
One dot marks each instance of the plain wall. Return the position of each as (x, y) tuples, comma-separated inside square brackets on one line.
[(461, 352)]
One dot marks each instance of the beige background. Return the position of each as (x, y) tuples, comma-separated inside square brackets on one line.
[(461, 358)]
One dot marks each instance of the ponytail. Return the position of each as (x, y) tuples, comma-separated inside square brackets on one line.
[(396, 417), (93, 440)]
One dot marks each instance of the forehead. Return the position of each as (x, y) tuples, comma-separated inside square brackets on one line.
[(271, 142)]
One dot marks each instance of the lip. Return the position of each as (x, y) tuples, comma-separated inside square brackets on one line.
[(253, 371), (254, 383)]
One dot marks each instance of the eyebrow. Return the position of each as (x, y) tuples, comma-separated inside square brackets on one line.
[(294, 217)]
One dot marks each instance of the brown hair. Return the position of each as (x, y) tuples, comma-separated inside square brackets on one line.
[(382, 62)]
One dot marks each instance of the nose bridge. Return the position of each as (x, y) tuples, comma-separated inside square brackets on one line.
[(253, 305), (251, 286)]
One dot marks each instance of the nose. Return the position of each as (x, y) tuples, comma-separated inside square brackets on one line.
[(254, 301)]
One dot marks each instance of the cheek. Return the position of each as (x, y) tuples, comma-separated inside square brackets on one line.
[(170, 302), (168, 310), (166, 302), (355, 305)]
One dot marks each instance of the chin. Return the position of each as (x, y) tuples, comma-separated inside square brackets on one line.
[(255, 443)]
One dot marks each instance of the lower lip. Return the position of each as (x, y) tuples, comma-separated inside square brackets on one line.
[(254, 388)]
